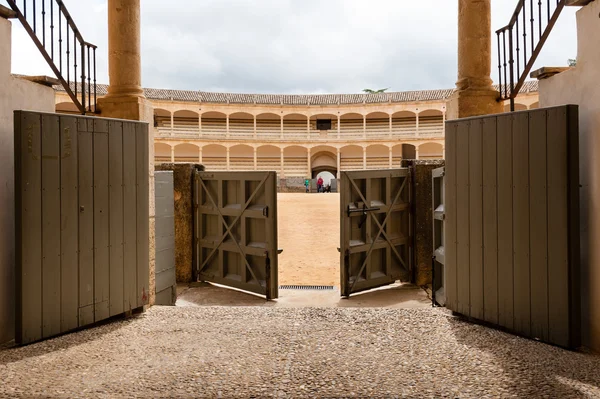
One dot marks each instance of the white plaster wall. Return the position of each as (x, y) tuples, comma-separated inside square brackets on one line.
[(15, 94), (581, 86)]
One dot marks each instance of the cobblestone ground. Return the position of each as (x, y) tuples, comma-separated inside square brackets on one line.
[(301, 352)]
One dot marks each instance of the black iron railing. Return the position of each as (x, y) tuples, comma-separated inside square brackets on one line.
[(72, 59), (520, 42)]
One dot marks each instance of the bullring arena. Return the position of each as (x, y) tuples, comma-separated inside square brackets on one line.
[(298, 136)]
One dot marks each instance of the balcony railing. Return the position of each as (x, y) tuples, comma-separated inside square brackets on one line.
[(520, 42), (431, 130), (71, 58)]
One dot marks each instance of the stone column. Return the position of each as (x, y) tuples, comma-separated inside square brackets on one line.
[(339, 164), (200, 125), (227, 159), (444, 123), (416, 152), (391, 162), (254, 132), (309, 164), (282, 127), (364, 126), (308, 127), (338, 127), (172, 154), (227, 126), (255, 159), (282, 165), (365, 158), (125, 98), (172, 124), (417, 119), (200, 155), (474, 95), (390, 126)]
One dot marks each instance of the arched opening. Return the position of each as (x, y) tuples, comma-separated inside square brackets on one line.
[(323, 161), (241, 157), (67, 108), (518, 107), (378, 124), (268, 158), (294, 125), (397, 156), (431, 123), (186, 152), (214, 124), (186, 122), (351, 125), (162, 121), (351, 158), (535, 105), (404, 124), (378, 157), (431, 151), (323, 125), (268, 125), (241, 125), (409, 151), (295, 162), (162, 153), (214, 157)]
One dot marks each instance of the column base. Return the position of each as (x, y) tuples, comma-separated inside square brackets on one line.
[(126, 107), (473, 102)]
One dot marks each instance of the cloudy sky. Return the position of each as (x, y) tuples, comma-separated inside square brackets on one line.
[(293, 46)]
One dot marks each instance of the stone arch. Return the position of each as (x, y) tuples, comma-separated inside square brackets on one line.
[(268, 125), (187, 152), (404, 123), (351, 125), (162, 152), (241, 157), (268, 157), (431, 151), (518, 107), (431, 123), (535, 105), (162, 120), (294, 124), (67, 107), (377, 123), (351, 157), (214, 157), (378, 156)]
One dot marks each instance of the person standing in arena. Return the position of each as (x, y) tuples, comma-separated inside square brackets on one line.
[(319, 184)]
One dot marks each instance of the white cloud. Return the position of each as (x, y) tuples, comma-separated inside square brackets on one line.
[(293, 46)]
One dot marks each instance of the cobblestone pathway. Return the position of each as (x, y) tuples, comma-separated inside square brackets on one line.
[(294, 352)]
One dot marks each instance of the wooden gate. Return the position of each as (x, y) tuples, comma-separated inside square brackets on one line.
[(164, 264), (82, 221), (235, 230), (375, 229), (512, 222)]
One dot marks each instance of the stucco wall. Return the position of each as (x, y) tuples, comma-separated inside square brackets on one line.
[(15, 94), (580, 86)]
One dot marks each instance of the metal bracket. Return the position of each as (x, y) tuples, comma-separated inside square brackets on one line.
[(362, 210), (265, 211)]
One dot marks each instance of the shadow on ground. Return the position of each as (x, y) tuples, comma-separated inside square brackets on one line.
[(535, 369), (394, 296)]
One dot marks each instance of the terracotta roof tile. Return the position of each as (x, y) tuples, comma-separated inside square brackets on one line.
[(299, 99)]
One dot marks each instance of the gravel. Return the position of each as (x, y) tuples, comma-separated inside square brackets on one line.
[(295, 352)]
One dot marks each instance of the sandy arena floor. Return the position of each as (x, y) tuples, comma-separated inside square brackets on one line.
[(309, 234)]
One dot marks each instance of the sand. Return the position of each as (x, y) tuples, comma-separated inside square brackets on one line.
[(309, 234)]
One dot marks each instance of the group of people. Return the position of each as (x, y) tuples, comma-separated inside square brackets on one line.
[(321, 188)]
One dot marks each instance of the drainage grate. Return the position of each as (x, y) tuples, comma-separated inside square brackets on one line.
[(306, 287)]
